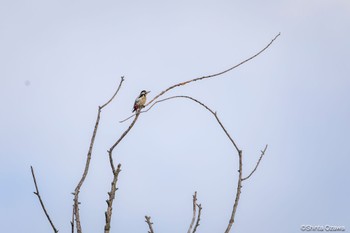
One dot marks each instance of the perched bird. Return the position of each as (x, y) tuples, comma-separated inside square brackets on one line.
[(140, 100)]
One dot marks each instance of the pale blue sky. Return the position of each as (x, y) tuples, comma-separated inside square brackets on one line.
[(61, 59)]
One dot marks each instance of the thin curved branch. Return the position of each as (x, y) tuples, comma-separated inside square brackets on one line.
[(206, 107), (257, 164), (216, 74), (41, 201), (110, 151), (87, 164), (198, 218), (148, 221), (208, 76), (143, 111), (116, 92), (240, 172), (194, 212)]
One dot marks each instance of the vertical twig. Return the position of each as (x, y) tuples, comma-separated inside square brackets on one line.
[(111, 194), (194, 212), (238, 194), (72, 221), (87, 164), (198, 218), (41, 201), (148, 221)]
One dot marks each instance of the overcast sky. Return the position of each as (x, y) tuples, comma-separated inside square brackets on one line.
[(60, 60)]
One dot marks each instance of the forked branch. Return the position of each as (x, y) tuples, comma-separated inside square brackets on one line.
[(198, 217), (41, 201), (194, 212)]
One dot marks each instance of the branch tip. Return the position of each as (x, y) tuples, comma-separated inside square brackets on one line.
[(41, 201), (148, 221), (257, 164)]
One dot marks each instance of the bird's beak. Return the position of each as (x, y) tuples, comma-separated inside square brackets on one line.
[(148, 92)]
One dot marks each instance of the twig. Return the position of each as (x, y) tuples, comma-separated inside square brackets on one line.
[(194, 212), (198, 218), (120, 84), (111, 194), (257, 164), (72, 221), (148, 221), (41, 201), (87, 164)]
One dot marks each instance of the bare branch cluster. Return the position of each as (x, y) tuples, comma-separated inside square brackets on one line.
[(111, 194)]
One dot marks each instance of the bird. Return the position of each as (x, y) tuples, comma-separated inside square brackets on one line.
[(140, 100)]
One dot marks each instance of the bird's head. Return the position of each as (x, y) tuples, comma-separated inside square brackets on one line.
[(144, 92)]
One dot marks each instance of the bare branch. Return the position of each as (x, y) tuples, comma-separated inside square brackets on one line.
[(239, 183), (238, 194), (120, 84), (41, 201), (216, 74), (87, 164), (198, 218), (206, 107), (111, 194), (110, 151), (108, 213), (208, 76), (257, 164), (148, 221), (194, 212)]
